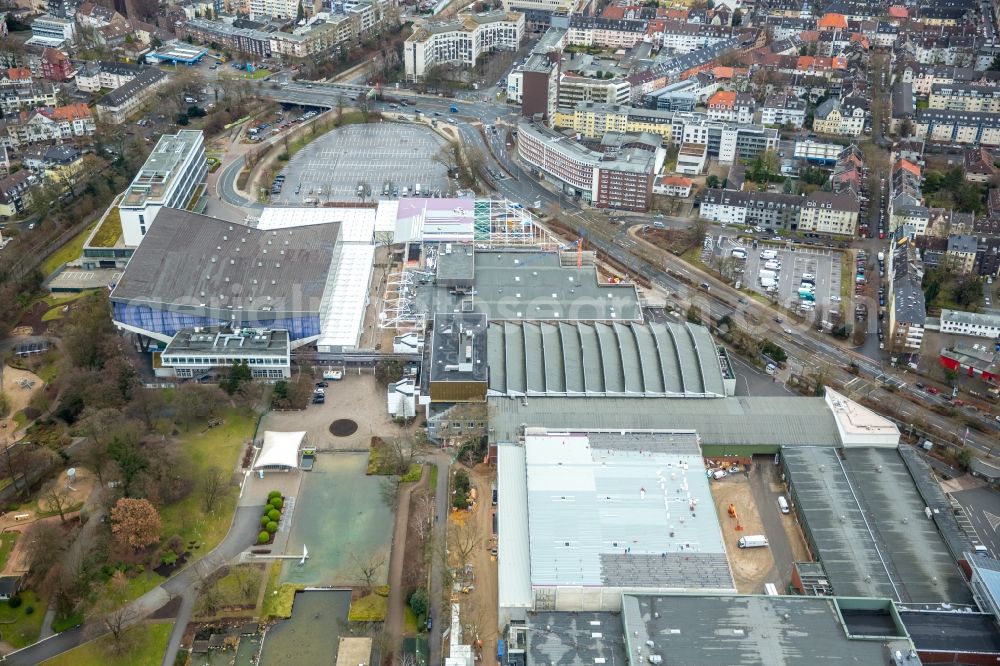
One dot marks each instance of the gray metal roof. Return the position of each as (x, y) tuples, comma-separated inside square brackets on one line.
[(513, 568), (458, 264), (532, 285), (782, 421), (728, 629), (952, 632), (594, 359), (206, 266), (227, 341), (866, 522), (575, 639), (622, 511)]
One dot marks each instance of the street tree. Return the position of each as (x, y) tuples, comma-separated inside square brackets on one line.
[(464, 540), (368, 568), (213, 487), (56, 499), (112, 613)]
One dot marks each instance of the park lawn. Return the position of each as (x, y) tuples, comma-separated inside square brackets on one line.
[(67, 252), (229, 590), (200, 451), (7, 540), (433, 480), (257, 74), (147, 643), (142, 583), (16, 626)]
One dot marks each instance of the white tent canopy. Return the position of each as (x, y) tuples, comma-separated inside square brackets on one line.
[(280, 450)]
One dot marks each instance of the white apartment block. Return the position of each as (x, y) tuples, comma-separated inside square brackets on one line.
[(169, 178), (782, 110), (605, 33), (262, 9), (973, 324), (15, 99), (129, 99), (461, 41), (576, 89), (93, 77), (829, 213), (679, 37)]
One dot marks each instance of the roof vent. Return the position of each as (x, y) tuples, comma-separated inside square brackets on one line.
[(232, 262)]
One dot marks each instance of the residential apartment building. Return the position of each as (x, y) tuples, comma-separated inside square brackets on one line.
[(841, 117), (127, 100), (534, 85), (575, 89), (48, 124), (673, 186), (924, 77), (957, 322), (964, 97), (830, 213), (905, 304), (768, 210), (15, 194), (593, 120), (169, 178), (783, 110), (461, 41), (960, 256), (324, 33), (619, 176), (13, 100), (957, 127), (56, 65), (731, 106), (263, 10), (679, 37), (244, 40), (605, 33), (105, 75)]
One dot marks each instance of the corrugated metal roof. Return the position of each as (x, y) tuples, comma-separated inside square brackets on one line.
[(580, 359), (514, 570), (782, 421), (622, 511)]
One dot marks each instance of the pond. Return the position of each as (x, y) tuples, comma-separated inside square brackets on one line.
[(312, 635), (340, 517)]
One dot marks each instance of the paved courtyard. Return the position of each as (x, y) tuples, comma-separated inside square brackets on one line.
[(357, 397), (377, 155)]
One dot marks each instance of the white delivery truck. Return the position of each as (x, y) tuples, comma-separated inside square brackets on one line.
[(773, 265), (768, 254), (753, 541), (767, 283), (765, 273)]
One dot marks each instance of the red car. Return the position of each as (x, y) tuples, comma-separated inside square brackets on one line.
[(932, 390)]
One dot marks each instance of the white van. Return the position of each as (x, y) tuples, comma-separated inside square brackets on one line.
[(782, 504), (808, 276), (753, 541), (768, 254), (773, 265)]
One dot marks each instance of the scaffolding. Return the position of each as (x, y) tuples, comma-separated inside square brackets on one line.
[(503, 223), (397, 309)]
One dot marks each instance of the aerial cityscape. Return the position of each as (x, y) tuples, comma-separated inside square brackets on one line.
[(500, 332)]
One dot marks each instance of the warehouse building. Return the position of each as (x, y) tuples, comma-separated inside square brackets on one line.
[(588, 516)]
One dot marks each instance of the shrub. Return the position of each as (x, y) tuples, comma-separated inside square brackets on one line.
[(277, 503), (274, 493), (14, 602), (264, 520), (263, 537), (169, 558), (274, 515), (29, 610), (272, 528)]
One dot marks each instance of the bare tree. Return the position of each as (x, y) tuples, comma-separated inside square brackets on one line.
[(112, 613), (56, 499), (369, 568), (43, 546), (213, 487), (423, 504), (464, 539)]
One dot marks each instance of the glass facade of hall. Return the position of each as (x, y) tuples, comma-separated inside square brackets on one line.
[(169, 322)]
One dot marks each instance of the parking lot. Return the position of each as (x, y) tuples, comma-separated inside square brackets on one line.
[(373, 156), (823, 264)]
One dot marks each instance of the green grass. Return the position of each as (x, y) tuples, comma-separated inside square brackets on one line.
[(7, 540), (146, 643), (371, 608), (16, 626), (111, 229), (218, 447), (230, 591), (67, 252), (20, 419), (61, 624), (256, 75), (143, 583), (433, 479), (410, 624), (278, 598), (413, 474)]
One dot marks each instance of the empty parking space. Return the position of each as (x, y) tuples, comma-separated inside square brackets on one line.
[(383, 158)]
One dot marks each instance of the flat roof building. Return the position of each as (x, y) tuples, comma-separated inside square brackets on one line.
[(742, 629), (458, 369), (169, 179), (196, 351), (587, 516)]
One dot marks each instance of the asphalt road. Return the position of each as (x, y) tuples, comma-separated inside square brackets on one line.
[(982, 505), (762, 474)]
